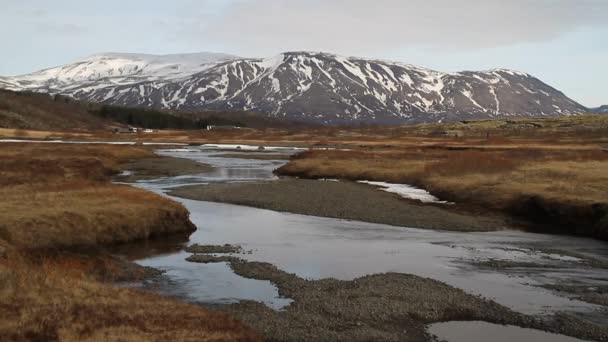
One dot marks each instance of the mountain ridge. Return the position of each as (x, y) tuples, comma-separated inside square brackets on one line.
[(308, 86)]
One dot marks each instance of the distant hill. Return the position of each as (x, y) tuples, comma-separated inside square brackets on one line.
[(601, 110), (38, 111), (27, 110), (312, 87)]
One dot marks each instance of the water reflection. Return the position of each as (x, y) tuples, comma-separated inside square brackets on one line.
[(483, 332)]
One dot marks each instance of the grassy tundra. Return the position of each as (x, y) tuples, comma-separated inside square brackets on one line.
[(551, 171), (58, 211), (557, 177)]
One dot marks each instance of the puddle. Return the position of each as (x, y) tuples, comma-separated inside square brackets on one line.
[(208, 283), (476, 331)]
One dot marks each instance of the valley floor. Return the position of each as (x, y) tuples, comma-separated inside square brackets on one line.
[(60, 211)]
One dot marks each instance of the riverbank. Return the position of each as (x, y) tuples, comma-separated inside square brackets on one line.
[(343, 200), (59, 211), (560, 190)]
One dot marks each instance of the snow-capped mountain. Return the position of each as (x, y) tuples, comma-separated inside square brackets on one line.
[(308, 86), (117, 68)]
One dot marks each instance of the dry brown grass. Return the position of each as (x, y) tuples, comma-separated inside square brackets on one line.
[(572, 132), (85, 214), (43, 303), (58, 210), (471, 162), (542, 132), (60, 195)]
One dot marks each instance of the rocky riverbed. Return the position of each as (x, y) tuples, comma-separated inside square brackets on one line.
[(386, 306)]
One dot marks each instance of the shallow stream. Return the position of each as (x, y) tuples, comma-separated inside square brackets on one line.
[(315, 247)]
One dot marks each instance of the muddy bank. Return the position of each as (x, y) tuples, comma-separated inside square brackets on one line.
[(562, 216), (157, 167), (343, 200), (380, 307)]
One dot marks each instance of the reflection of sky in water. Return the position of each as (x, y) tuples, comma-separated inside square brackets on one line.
[(483, 332), (210, 283), (314, 247)]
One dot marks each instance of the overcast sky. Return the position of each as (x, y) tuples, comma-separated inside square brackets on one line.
[(563, 42)]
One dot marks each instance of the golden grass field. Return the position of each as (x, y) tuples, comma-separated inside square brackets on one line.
[(58, 211)]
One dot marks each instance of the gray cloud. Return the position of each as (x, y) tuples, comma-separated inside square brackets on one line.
[(360, 26)]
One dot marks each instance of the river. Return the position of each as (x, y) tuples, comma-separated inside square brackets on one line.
[(314, 247)]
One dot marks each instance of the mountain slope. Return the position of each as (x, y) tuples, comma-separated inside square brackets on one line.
[(44, 112), (601, 109), (306, 86)]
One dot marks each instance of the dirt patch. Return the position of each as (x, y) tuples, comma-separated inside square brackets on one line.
[(343, 200), (157, 167)]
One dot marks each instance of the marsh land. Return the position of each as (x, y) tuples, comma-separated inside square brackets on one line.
[(361, 264)]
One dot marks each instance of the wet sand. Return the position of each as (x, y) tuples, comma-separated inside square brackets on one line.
[(343, 200), (150, 168)]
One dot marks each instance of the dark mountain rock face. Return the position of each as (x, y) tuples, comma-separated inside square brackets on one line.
[(312, 87)]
